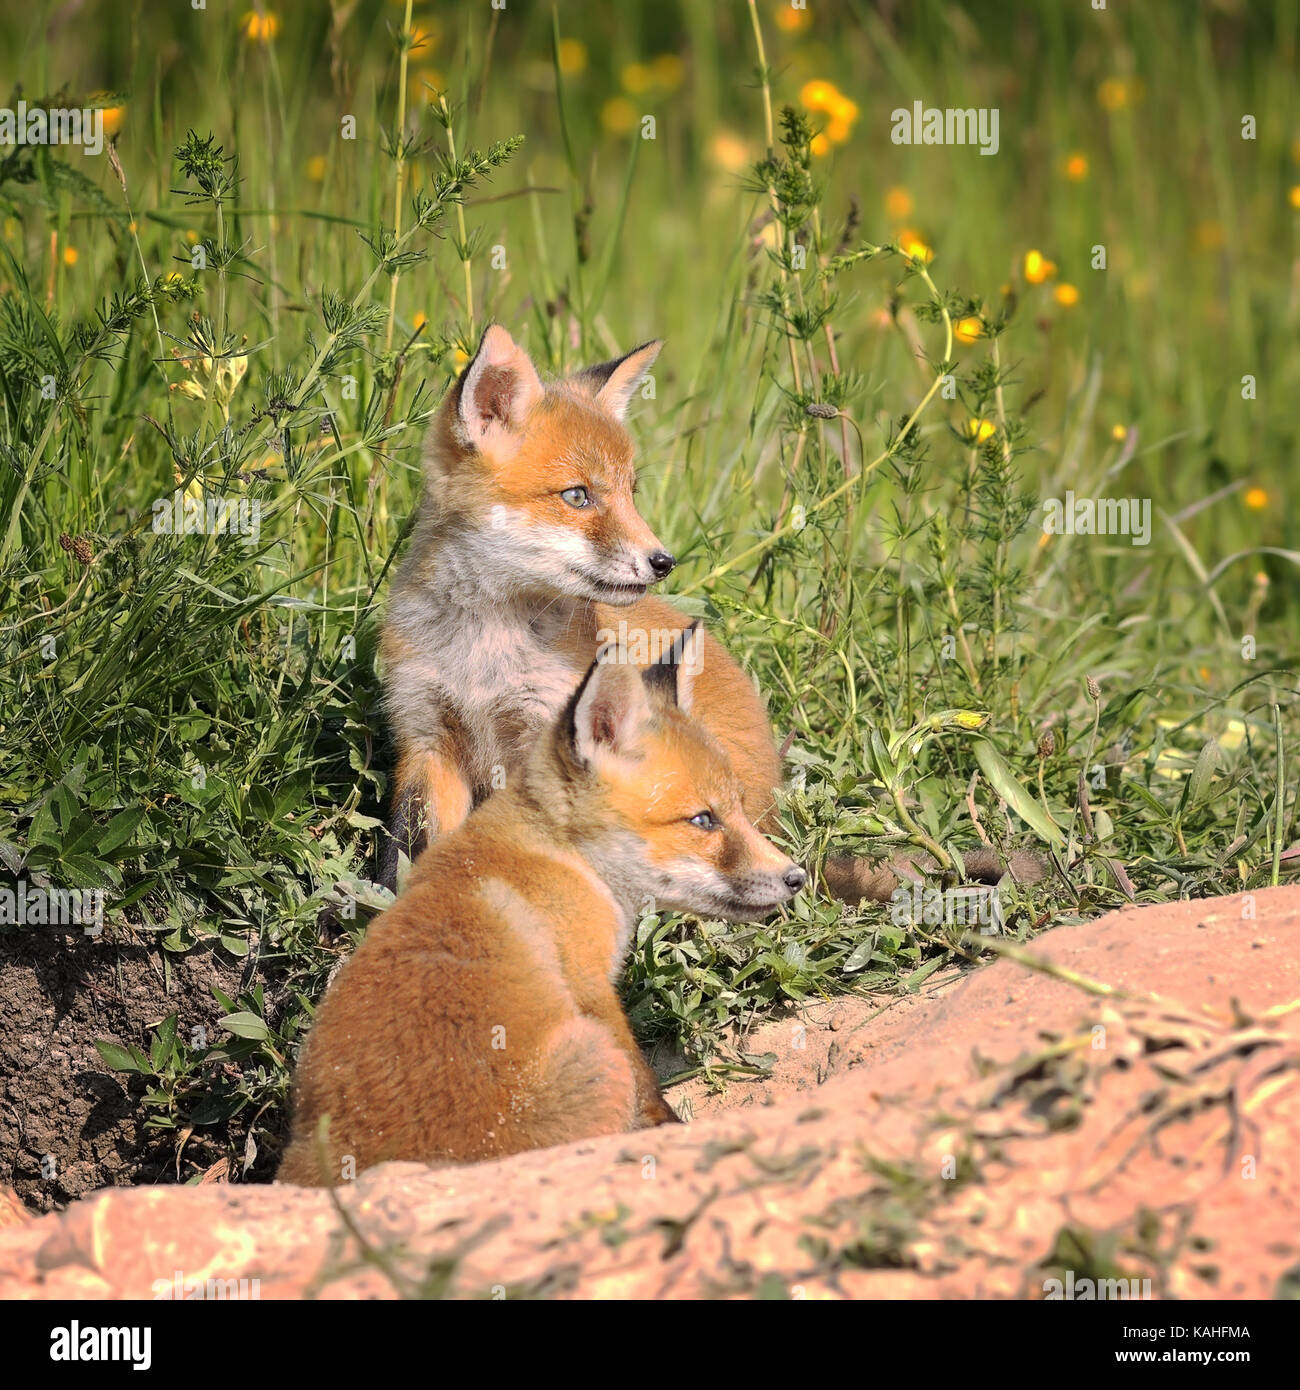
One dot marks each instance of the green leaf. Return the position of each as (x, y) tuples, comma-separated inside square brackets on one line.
[(164, 1043), (860, 955), (1016, 796), (121, 1058), (918, 977), (82, 871), (120, 829), (246, 1025), (1207, 762)]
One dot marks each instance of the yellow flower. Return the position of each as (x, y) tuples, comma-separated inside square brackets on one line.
[(1076, 168), (460, 359), (819, 145), (1119, 433), (618, 115), (316, 168), (729, 151), (1294, 195), (791, 20), (970, 719), (419, 320), (573, 57), (1066, 296), (1256, 499), (424, 39), (70, 256), (838, 131), (637, 78), (1113, 94), (914, 246), (259, 28), (843, 109), (898, 203), (113, 118), (968, 329), (818, 95), (191, 236), (979, 430), (1038, 268), (668, 71)]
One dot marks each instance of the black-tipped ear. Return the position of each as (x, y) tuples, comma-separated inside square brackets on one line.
[(497, 390), (609, 710), (672, 677), (611, 383)]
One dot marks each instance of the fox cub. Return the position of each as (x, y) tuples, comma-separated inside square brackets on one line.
[(479, 1017), (528, 553)]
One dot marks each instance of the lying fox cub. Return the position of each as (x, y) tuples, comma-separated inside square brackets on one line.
[(479, 1016), (529, 552)]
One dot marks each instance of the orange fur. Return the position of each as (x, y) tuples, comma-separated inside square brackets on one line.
[(479, 1016)]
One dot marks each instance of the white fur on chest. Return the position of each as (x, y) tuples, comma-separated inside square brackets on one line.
[(496, 677)]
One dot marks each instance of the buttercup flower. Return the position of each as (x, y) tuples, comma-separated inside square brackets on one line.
[(618, 115), (1066, 296), (572, 57), (259, 28), (914, 246), (898, 203), (637, 78), (1076, 168), (1038, 268)]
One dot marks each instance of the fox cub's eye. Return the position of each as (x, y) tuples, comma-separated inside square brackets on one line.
[(576, 496), (704, 820)]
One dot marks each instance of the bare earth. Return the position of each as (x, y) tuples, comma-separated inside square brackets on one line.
[(1001, 1128)]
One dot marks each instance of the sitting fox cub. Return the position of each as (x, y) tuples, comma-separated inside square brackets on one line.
[(528, 553), (479, 1017)]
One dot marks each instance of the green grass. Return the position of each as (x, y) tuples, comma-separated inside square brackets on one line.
[(192, 721)]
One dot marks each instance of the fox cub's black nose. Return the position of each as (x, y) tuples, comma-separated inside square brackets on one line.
[(661, 562), (795, 878)]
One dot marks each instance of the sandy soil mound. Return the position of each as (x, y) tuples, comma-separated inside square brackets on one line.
[(1121, 1102)]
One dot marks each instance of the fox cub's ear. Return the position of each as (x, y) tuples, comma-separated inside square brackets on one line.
[(610, 708), (499, 387), (612, 383), (672, 677)]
